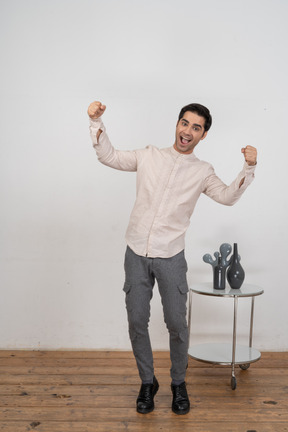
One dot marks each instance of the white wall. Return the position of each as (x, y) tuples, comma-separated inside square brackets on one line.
[(64, 216)]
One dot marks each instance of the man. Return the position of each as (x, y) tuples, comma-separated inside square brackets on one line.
[(169, 183)]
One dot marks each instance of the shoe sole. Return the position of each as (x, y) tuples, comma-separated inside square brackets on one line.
[(182, 412), (146, 411)]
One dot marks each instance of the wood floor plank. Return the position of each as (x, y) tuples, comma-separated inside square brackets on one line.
[(164, 361), (102, 354), (97, 379), (196, 391), (110, 370), (70, 362), (267, 360), (97, 354), (114, 401), (129, 414)]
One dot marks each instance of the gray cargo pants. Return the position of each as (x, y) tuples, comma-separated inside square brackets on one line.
[(140, 275)]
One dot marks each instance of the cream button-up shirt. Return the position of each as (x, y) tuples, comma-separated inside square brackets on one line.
[(168, 186)]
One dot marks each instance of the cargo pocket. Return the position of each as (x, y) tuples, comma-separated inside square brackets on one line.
[(127, 287), (183, 290), (183, 287), (183, 335)]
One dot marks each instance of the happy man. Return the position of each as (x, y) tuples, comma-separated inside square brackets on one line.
[(169, 183)]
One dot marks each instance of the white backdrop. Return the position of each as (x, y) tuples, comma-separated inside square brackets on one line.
[(64, 215)]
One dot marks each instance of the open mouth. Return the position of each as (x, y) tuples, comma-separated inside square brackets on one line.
[(184, 140)]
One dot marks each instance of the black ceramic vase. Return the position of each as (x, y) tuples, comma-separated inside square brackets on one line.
[(219, 275), (235, 272)]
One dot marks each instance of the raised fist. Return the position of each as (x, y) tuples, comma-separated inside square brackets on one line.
[(96, 109), (250, 154)]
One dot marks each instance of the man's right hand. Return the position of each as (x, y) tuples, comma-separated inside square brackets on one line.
[(96, 109)]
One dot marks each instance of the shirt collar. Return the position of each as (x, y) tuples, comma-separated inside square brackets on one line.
[(190, 156)]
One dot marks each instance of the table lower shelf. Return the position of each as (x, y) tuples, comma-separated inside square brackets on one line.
[(218, 353)]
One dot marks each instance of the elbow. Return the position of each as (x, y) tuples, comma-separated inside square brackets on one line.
[(229, 201), (230, 204), (232, 201)]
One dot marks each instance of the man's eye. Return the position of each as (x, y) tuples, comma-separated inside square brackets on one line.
[(196, 129), (184, 123)]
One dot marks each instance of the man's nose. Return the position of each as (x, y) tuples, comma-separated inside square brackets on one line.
[(189, 130)]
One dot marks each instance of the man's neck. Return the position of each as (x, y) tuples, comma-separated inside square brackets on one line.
[(182, 152)]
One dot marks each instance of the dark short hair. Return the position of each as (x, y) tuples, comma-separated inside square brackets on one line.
[(201, 110)]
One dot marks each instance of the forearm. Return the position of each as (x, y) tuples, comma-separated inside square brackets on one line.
[(96, 128), (106, 153), (229, 195)]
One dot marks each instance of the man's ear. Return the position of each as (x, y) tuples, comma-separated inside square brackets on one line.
[(204, 135)]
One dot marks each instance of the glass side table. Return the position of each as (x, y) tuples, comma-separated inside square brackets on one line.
[(226, 354)]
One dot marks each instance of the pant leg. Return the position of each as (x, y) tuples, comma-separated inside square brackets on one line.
[(138, 287), (172, 282)]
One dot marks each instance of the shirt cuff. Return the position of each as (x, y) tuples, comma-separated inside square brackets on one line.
[(249, 168), (95, 125)]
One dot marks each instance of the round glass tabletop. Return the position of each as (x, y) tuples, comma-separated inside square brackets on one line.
[(246, 290)]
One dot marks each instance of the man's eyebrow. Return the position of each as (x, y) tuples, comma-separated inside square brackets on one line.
[(194, 124)]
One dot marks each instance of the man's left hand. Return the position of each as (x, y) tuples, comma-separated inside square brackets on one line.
[(250, 155)]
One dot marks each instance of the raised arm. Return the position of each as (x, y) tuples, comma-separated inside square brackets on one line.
[(250, 155), (229, 195), (95, 110), (106, 153)]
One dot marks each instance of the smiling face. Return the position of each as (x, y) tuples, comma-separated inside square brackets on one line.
[(189, 131)]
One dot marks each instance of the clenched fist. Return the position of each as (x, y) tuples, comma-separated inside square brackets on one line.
[(250, 155), (96, 109)]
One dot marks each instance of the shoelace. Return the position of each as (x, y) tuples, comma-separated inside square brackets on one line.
[(146, 391)]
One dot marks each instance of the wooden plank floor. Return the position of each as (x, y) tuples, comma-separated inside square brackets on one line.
[(95, 391)]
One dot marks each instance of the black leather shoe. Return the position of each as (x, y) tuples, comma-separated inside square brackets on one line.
[(180, 403), (145, 400)]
